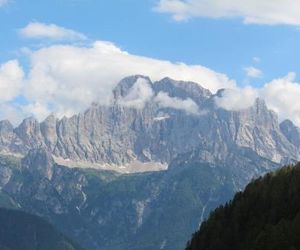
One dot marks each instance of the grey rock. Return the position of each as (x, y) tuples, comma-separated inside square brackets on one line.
[(183, 90), (105, 210), (291, 132), (118, 135), (39, 162), (5, 175)]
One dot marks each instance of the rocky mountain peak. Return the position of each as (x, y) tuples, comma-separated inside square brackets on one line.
[(6, 126), (6, 129), (50, 119), (182, 90), (152, 123), (29, 131), (291, 132), (48, 131), (39, 161), (28, 126), (260, 105), (124, 86)]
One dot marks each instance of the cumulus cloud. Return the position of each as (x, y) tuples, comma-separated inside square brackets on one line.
[(281, 95), (50, 31), (187, 105), (237, 99), (11, 77), (11, 83), (65, 79), (140, 93), (251, 11), (13, 113), (253, 72)]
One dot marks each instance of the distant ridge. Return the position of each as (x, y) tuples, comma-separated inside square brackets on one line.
[(154, 123)]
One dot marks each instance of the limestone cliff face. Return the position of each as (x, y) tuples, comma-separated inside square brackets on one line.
[(39, 162), (155, 131), (291, 132)]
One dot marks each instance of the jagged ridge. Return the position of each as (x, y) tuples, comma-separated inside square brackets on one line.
[(159, 131)]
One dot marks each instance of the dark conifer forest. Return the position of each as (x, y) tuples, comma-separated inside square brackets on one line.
[(20, 230), (266, 216)]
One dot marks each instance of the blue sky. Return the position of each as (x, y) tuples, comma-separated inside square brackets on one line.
[(251, 45), (224, 45)]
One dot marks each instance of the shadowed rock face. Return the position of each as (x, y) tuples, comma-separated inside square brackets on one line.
[(291, 132), (121, 133), (211, 154), (39, 162), (20, 230), (107, 210)]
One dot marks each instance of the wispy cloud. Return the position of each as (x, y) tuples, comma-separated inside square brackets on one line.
[(253, 72), (141, 92), (187, 105), (256, 59), (38, 30), (251, 11), (3, 2)]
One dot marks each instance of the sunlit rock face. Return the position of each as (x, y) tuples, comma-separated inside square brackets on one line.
[(155, 123)]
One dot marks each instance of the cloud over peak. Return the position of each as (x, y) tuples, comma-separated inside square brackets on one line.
[(281, 95), (187, 105), (140, 93), (67, 78), (38, 30), (251, 11)]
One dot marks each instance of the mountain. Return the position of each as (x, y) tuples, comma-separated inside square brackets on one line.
[(92, 175), (20, 230), (291, 132), (148, 125), (109, 210), (265, 216)]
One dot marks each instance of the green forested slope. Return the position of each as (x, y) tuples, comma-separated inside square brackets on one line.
[(22, 231), (265, 216)]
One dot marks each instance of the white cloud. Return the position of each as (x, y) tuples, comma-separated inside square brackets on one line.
[(253, 72), (11, 77), (256, 59), (11, 83), (50, 31), (187, 105), (281, 95), (65, 79), (251, 11), (13, 113), (237, 99), (140, 93)]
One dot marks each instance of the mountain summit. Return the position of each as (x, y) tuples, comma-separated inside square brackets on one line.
[(151, 124)]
